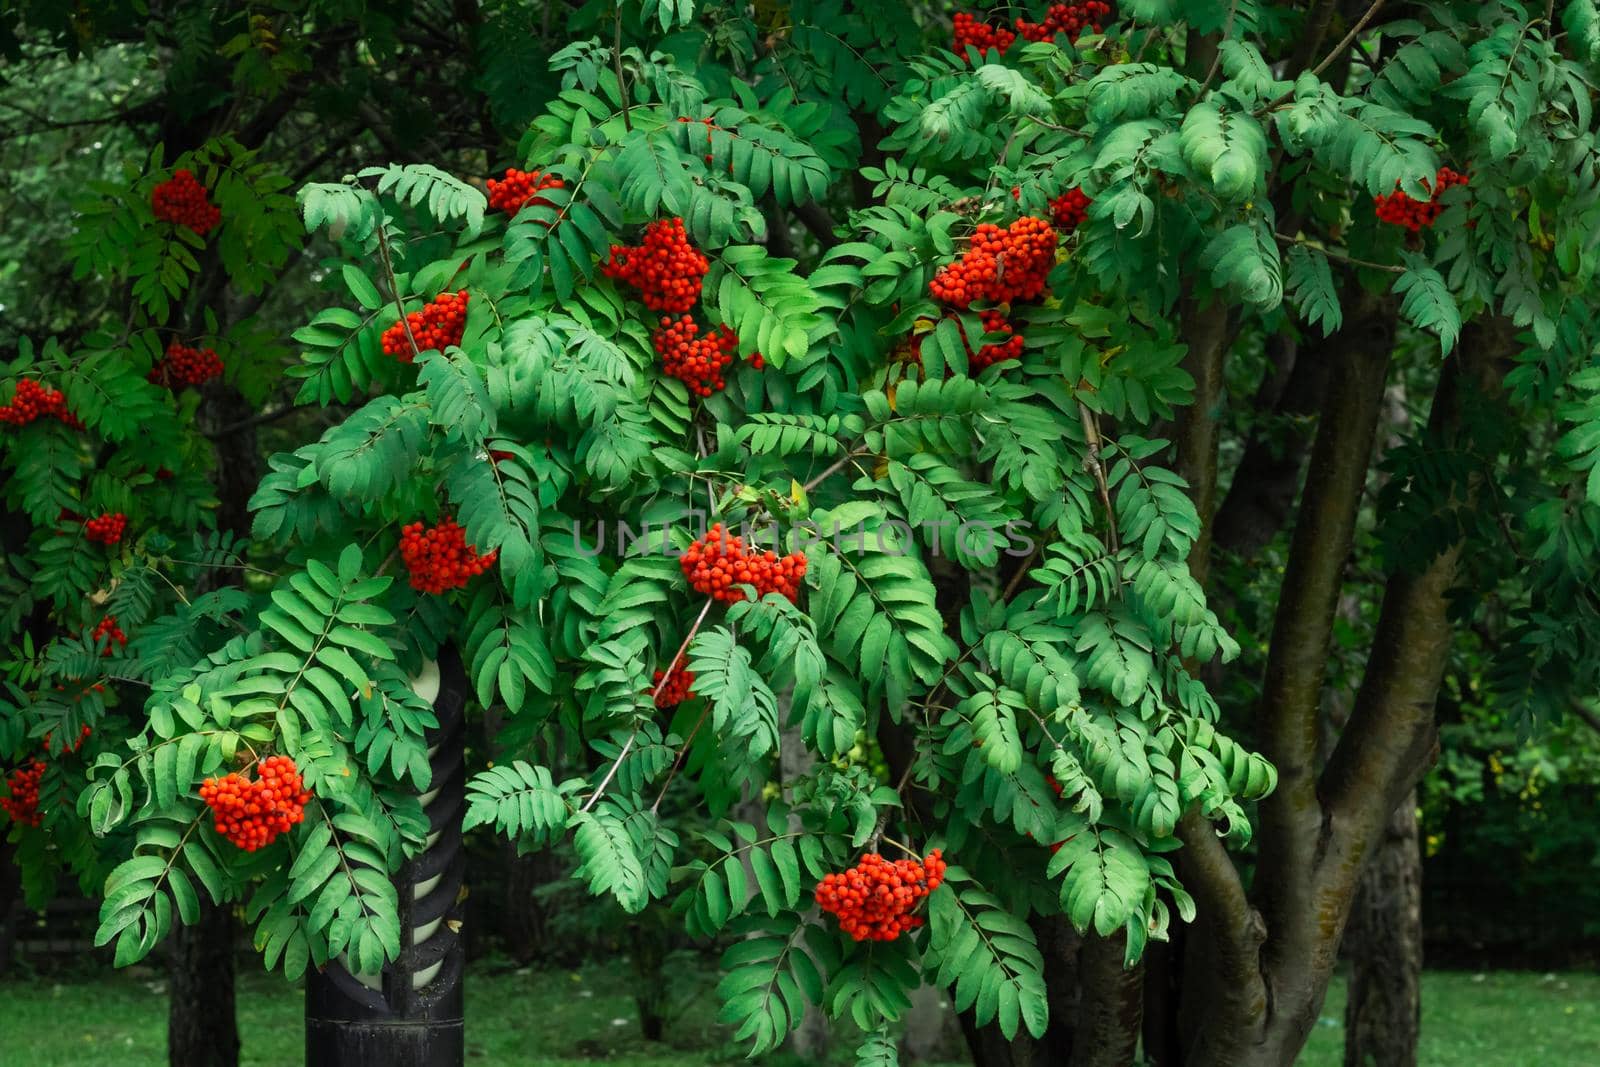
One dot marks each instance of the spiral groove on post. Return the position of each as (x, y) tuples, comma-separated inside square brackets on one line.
[(412, 1014)]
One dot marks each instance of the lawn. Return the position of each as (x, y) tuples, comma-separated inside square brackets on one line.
[(578, 1019)]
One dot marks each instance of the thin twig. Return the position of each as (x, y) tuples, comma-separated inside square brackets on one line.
[(1091, 434), (907, 849), (1022, 572), (616, 55), (832, 468), (1285, 239), (259, 419), (1333, 54), (1216, 60), (1355, 31), (1586, 716), (666, 676), (683, 750), (815, 218), (394, 289)]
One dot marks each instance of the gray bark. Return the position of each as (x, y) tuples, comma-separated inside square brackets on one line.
[(1383, 944)]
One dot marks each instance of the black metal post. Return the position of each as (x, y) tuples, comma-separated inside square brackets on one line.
[(413, 1016)]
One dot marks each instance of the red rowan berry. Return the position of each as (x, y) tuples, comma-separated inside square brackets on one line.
[(1000, 266), (1070, 19), (874, 900), (439, 558), (22, 803), (982, 36), (110, 632), (718, 562), (35, 401), (665, 268), (994, 321), (183, 366), (106, 529), (1401, 209), (439, 325), (253, 814), (696, 361), (83, 734), (1070, 209), (182, 200), (519, 188), (679, 687)]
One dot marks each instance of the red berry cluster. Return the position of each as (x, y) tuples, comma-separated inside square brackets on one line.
[(440, 559), (35, 401), (182, 199), (83, 734), (988, 355), (981, 35), (439, 325), (696, 361), (108, 630), (1070, 209), (717, 563), (106, 529), (253, 814), (1401, 209), (520, 188), (183, 366), (1000, 266), (875, 898), (23, 802), (994, 321), (679, 687), (665, 268), (1070, 19)]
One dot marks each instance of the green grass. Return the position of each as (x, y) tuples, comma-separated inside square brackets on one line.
[(578, 1019), (1498, 1019)]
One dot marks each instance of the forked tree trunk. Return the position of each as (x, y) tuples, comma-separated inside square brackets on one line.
[(1383, 943), (200, 995)]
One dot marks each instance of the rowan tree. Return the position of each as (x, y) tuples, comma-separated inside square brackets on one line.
[(967, 330)]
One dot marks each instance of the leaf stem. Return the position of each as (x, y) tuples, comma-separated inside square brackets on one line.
[(666, 676)]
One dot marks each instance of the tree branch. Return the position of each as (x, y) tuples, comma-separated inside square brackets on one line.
[(1291, 818), (1349, 38), (259, 419), (1267, 477), (1384, 747), (1235, 928), (815, 218), (1207, 331)]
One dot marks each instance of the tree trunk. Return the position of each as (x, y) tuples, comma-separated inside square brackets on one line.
[(200, 1001), (1107, 1031), (1061, 947), (1163, 987), (10, 895), (1314, 852), (1383, 943), (202, 1026)]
